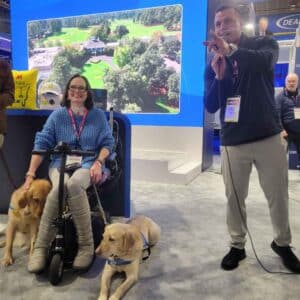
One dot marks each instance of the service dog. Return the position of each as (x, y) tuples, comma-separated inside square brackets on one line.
[(24, 214), (122, 245)]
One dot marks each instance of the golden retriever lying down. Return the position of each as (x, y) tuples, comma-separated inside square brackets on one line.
[(24, 214), (122, 245)]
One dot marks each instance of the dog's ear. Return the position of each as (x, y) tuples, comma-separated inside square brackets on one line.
[(22, 201), (44, 189), (128, 240)]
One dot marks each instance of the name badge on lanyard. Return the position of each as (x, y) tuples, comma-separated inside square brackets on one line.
[(232, 109), (73, 159), (297, 113)]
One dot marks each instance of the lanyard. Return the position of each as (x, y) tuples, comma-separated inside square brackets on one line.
[(76, 131)]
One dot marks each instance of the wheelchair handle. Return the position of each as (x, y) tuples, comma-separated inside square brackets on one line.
[(63, 148), (68, 152)]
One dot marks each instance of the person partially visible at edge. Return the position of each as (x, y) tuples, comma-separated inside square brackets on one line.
[(288, 107), (7, 90), (239, 82), (262, 27), (82, 127)]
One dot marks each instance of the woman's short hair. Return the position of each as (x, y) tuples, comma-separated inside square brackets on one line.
[(89, 103)]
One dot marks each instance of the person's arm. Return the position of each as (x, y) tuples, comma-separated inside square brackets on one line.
[(106, 148), (103, 154), (7, 92), (44, 140), (257, 60), (96, 168), (216, 89), (35, 162)]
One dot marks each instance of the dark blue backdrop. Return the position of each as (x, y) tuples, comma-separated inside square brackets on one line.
[(284, 25), (193, 53)]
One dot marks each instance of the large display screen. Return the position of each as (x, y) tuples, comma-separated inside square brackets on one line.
[(148, 55), (134, 55)]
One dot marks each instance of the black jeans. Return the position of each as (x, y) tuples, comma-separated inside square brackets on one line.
[(293, 131)]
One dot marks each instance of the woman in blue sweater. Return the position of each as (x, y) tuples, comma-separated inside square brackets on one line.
[(84, 127)]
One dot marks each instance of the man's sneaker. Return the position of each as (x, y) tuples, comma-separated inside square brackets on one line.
[(289, 259), (232, 258)]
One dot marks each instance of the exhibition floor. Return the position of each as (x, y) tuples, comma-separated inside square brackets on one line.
[(186, 262)]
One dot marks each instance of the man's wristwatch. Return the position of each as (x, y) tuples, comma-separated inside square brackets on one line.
[(232, 48)]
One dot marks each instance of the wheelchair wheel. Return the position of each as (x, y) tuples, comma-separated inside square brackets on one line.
[(56, 269)]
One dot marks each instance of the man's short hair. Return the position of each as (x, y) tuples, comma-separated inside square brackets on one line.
[(224, 7)]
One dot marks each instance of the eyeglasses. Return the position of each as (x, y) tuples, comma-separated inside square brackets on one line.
[(74, 88)]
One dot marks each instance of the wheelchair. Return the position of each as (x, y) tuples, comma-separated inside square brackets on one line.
[(64, 246)]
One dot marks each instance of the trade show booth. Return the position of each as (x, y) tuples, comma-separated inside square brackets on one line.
[(146, 58), (18, 145)]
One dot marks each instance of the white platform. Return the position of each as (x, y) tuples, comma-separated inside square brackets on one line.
[(166, 154)]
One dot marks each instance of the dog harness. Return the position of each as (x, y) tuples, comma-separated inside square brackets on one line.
[(122, 262), (146, 247)]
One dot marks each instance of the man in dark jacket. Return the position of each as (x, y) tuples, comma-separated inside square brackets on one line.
[(239, 82), (262, 29), (7, 89), (288, 106)]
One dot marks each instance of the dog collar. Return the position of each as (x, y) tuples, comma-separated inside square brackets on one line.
[(15, 211), (118, 262)]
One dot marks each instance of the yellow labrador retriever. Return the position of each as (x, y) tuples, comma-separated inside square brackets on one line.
[(122, 245), (24, 214)]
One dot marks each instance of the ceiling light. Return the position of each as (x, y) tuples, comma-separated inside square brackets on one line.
[(249, 26)]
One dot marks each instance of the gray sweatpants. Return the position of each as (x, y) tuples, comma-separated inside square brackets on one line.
[(269, 157), (74, 185)]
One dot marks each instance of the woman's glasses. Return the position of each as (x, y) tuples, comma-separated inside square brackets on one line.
[(79, 88)]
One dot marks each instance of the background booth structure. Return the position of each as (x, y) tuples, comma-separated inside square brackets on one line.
[(166, 147), (17, 152), (283, 20)]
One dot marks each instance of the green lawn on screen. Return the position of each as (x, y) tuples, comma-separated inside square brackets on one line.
[(95, 72)]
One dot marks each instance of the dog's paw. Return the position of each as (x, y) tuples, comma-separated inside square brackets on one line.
[(102, 297), (6, 261), (113, 297)]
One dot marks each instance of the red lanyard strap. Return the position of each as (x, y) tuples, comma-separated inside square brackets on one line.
[(76, 131)]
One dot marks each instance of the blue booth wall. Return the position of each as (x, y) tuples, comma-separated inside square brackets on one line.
[(193, 52)]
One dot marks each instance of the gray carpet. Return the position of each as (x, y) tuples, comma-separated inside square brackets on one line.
[(186, 262)]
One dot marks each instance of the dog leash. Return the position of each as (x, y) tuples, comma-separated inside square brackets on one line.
[(6, 167), (100, 207)]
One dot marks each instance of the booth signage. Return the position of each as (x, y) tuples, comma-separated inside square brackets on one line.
[(283, 26), (289, 22)]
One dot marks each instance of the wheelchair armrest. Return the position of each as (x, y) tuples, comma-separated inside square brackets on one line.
[(112, 156), (111, 163)]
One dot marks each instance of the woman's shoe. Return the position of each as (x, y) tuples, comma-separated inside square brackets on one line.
[(37, 261)]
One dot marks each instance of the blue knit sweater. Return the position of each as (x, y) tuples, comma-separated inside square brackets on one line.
[(96, 134)]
